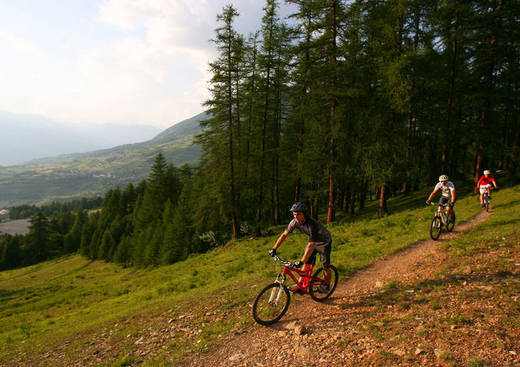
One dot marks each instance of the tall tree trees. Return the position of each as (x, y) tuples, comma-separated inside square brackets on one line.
[(219, 137)]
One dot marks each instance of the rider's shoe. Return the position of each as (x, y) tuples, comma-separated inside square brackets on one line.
[(324, 288), (295, 289)]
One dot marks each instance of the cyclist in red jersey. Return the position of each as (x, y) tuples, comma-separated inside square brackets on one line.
[(484, 185)]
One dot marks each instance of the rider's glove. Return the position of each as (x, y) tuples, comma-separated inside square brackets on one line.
[(272, 252), (297, 264), (428, 202)]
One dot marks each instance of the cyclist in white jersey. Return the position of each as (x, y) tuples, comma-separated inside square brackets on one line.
[(447, 189)]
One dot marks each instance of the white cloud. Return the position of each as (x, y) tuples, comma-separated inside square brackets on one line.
[(19, 45), (147, 64)]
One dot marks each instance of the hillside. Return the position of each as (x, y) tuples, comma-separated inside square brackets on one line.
[(79, 175), (452, 302)]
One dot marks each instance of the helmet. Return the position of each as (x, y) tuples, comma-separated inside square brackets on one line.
[(487, 172), (443, 178), (299, 207)]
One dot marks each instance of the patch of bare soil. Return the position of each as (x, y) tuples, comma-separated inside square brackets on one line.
[(398, 311), (14, 227)]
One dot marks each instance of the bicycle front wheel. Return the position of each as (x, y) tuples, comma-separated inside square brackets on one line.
[(271, 304), (436, 228), (318, 289)]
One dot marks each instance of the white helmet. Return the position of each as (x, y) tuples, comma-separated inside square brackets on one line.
[(487, 172), (443, 178)]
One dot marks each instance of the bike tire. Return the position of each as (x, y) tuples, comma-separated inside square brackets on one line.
[(451, 222), (267, 313), (313, 287), (436, 228)]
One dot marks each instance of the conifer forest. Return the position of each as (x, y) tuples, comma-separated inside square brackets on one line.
[(336, 103)]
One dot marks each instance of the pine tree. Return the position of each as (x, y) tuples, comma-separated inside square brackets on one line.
[(72, 239), (107, 243), (218, 139), (123, 252), (11, 254), (38, 246)]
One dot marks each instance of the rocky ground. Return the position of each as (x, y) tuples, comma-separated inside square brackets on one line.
[(402, 310)]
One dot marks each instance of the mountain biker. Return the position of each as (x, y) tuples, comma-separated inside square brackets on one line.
[(447, 189), (484, 185), (320, 242)]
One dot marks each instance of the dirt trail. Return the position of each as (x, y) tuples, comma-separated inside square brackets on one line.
[(304, 337)]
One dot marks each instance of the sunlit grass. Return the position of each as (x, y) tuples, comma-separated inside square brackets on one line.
[(71, 298)]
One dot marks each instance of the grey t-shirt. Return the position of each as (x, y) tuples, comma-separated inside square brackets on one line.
[(312, 228)]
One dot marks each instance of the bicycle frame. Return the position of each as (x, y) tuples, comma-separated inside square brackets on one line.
[(443, 213), (306, 278), (272, 302)]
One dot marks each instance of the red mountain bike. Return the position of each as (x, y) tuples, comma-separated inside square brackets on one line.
[(272, 302)]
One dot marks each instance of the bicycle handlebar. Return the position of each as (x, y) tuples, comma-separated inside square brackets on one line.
[(284, 262), (434, 203)]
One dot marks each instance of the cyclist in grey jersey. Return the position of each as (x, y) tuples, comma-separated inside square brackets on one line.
[(447, 189), (320, 240)]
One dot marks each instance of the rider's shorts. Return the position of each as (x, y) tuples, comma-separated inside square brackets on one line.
[(445, 201), (324, 252), (483, 188)]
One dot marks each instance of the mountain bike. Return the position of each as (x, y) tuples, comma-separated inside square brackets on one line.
[(442, 218), (486, 201), (272, 302)]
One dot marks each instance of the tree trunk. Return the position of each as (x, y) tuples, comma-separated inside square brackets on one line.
[(447, 138), (264, 132), (363, 194), (383, 210), (478, 165), (332, 151), (232, 189)]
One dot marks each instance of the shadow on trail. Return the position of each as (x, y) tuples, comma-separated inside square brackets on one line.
[(364, 309), (498, 223), (396, 293)]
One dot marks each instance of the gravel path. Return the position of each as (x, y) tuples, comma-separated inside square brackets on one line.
[(305, 337)]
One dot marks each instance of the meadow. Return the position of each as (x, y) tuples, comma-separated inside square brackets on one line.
[(73, 311)]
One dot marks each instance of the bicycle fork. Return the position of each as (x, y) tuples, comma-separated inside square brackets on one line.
[(276, 292)]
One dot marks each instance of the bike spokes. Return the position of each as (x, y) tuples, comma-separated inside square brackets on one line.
[(271, 304), (436, 227), (319, 290)]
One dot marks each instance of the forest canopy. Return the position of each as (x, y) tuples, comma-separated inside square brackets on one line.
[(339, 100)]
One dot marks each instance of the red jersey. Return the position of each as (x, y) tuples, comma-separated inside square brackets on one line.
[(483, 181)]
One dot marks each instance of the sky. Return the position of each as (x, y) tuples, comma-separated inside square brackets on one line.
[(112, 61)]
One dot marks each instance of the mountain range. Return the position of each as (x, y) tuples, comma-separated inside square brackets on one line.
[(77, 175), (26, 137)]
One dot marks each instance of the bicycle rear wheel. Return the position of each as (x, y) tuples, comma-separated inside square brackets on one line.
[(451, 221), (314, 287), (271, 304), (436, 228)]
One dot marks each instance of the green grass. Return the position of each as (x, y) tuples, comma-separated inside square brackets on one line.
[(64, 303)]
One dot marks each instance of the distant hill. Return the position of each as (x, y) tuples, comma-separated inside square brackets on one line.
[(26, 137), (73, 176)]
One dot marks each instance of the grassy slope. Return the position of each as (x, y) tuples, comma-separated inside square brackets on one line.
[(63, 304), (74, 176)]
